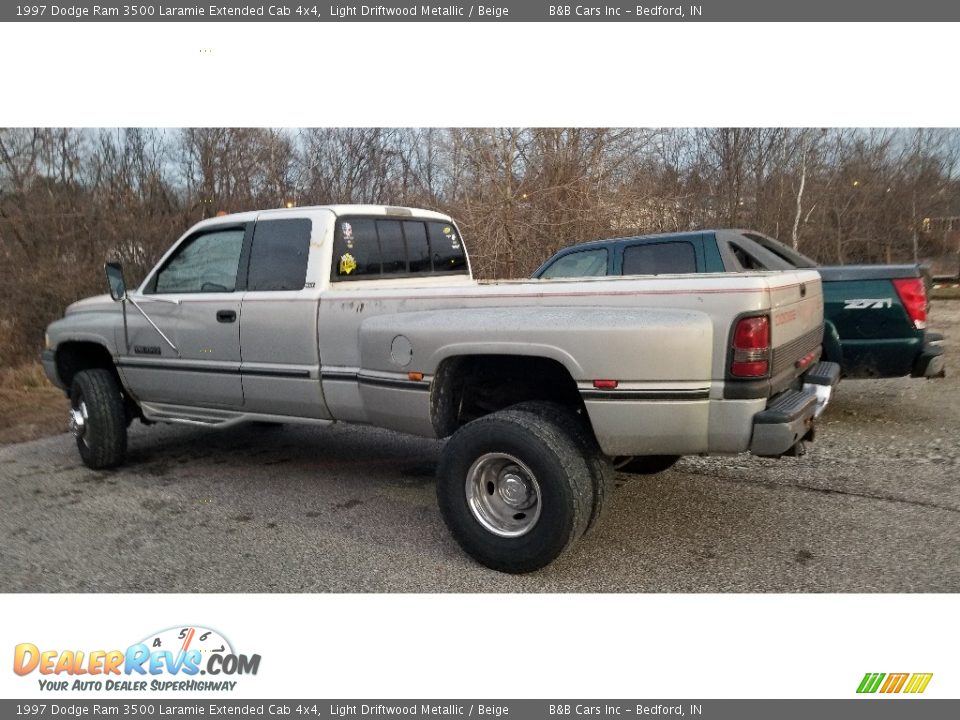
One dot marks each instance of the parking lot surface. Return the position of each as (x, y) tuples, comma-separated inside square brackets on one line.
[(873, 507)]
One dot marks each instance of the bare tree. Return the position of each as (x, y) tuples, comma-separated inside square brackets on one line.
[(69, 198)]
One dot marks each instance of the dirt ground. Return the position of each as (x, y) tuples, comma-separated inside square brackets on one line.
[(30, 407)]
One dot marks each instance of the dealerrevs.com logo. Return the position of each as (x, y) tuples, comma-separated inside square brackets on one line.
[(178, 659), (893, 683)]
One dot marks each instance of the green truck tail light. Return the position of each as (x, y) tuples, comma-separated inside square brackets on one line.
[(913, 295)]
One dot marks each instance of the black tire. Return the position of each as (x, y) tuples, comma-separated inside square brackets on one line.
[(602, 474), (559, 468), (646, 464), (103, 441)]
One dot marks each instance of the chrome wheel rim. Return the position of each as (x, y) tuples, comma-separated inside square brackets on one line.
[(503, 495), (79, 421)]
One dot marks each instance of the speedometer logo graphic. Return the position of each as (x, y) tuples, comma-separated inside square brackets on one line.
[(183, 639)]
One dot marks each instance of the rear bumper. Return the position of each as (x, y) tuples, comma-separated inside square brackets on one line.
[(789, 418), (930, 362)]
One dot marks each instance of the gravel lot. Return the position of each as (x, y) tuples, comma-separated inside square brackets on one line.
[(874, 507)]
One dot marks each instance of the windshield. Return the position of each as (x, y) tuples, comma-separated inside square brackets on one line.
[(586, 263)]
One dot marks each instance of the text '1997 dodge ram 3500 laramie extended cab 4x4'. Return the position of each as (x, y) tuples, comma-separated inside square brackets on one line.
[(369, 314), (875, 315)]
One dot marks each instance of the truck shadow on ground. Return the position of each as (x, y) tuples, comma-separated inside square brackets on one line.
[(656, 526)]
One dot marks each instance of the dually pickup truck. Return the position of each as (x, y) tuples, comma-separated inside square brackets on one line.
[(875, 315), (369, 314)]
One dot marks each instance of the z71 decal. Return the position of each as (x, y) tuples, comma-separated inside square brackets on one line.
[(868, 304)]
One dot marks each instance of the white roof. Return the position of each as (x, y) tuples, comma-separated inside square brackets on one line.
[(385, 210)]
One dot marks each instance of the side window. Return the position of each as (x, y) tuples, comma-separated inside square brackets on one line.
[(207, 263), (418, 247), (586, 263), (446, 248), (356, 250), (746, 260), (659, 259), (367, 248), (393, 253), (278, 256)]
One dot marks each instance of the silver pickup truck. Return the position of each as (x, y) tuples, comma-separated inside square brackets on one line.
[(369, 314)]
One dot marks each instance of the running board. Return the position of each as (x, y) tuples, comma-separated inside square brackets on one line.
[(216, 418)]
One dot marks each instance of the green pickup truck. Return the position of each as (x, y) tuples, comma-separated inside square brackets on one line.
[(875, 316)]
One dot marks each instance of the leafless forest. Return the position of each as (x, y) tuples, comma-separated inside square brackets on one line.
[(71, 198)]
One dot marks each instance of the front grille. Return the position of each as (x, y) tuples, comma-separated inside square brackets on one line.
[(787, 355)]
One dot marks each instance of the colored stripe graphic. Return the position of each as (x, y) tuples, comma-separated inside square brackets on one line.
[(870, 682), (918, 683), (894, 683)]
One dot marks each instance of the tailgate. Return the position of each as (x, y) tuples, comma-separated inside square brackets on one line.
[(796, 324), (794, 302)]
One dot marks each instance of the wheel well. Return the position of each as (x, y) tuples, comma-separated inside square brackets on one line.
[(467, 387), (72, 357), (832, 349)]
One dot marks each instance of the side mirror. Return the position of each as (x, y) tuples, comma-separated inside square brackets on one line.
[(118, 287)]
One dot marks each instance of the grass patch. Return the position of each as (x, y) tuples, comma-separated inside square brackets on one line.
[(30, 406), (29, 376), (945, 293)]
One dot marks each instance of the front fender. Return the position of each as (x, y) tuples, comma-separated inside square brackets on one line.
[(60, 336), (94, 329)]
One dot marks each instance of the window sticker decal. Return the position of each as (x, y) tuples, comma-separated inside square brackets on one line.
[(347, 264)]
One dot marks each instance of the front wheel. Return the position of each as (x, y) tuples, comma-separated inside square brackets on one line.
[(515, 490), (98, 418)]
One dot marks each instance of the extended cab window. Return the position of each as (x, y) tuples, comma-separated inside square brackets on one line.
[(393, 253), (746, 260), (586, 263), (446, 248), (418, 247), (279, 254), (203, 264), (369, 248), (659, 259)]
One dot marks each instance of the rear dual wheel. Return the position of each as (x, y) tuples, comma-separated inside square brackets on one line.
[(517, 487), (575, 426)]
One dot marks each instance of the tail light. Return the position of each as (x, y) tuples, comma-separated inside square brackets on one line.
[(913, 295), (751, 347)]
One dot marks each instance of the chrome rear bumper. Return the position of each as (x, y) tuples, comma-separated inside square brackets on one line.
[(789, 419)]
